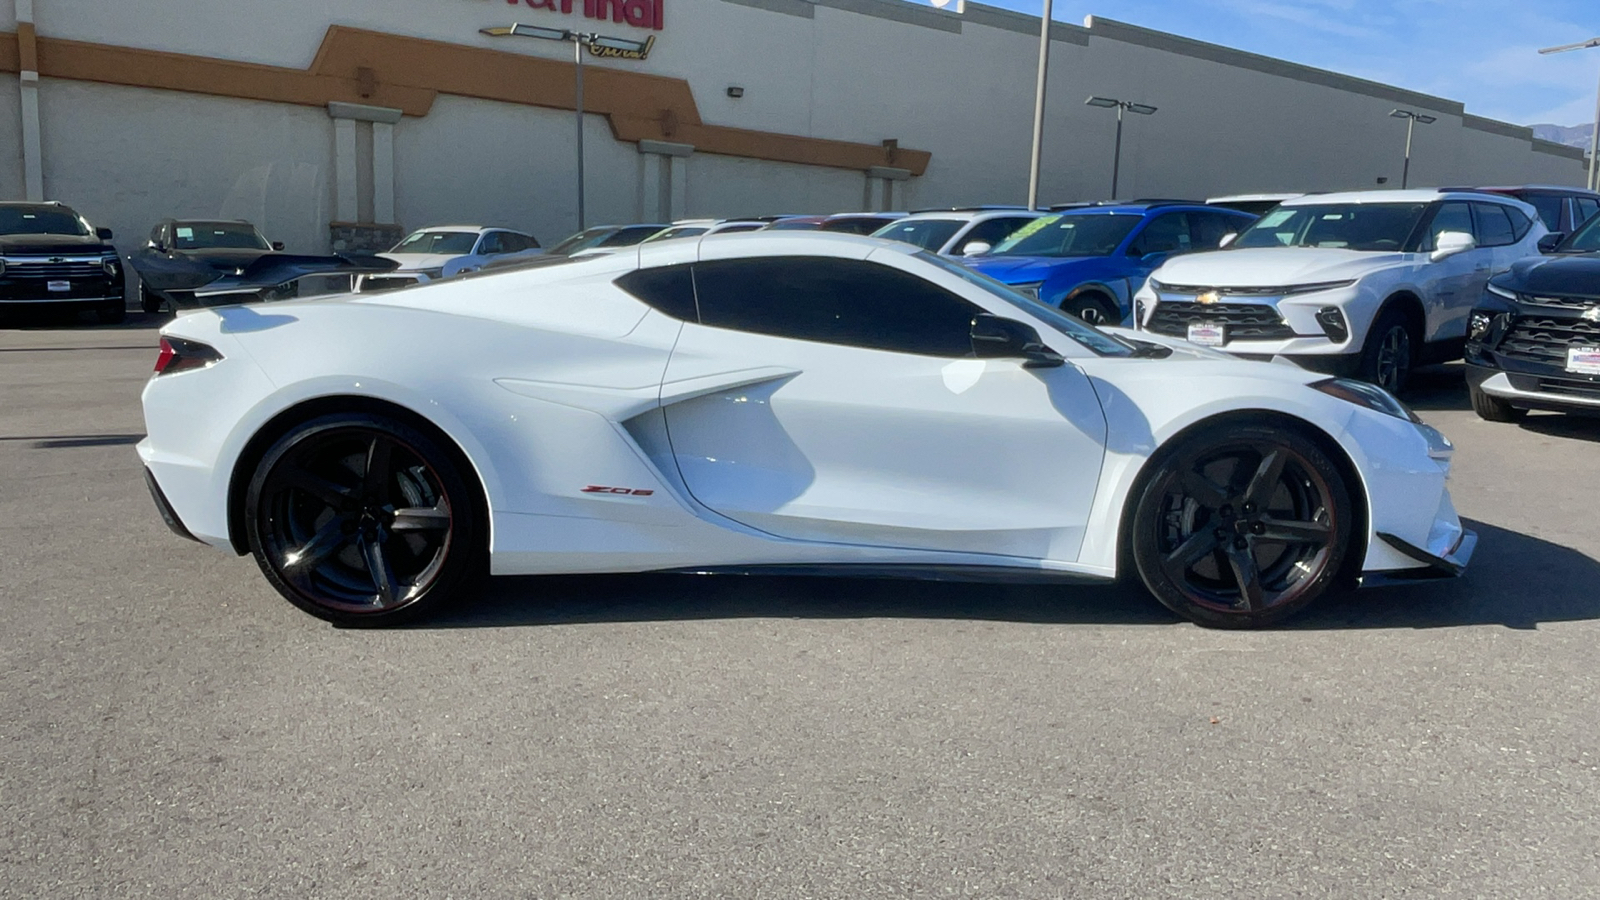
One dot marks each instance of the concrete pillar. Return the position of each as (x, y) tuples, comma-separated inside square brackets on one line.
[(346, 175), (884, 189), (664, 190), (352, 168), (28, 72), (383, 173)]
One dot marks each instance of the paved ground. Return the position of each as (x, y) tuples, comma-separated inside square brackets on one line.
[(170, 728)]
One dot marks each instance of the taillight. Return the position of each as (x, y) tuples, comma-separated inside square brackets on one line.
[(179, 355)]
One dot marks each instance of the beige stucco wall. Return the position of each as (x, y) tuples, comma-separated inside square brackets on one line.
[(959, 88)]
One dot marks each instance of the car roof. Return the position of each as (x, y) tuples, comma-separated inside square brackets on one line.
[(1254, 198), (1137, 207), (970, 215), (1535, 189), (1411, 195)]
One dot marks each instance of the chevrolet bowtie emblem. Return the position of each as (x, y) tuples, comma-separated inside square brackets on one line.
[(1209, 297), (1592, 314), (58, 259)]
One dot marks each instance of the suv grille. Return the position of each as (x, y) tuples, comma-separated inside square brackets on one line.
[(1543, 339), (34, 267), (1243, 321), (1577, 303)]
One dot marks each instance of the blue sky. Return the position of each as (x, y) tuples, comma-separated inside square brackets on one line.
[(1480, 52)]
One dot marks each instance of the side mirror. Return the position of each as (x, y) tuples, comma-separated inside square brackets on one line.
[(103, 234), (1551, 241), (278, 246), (1451, 243), (976, 248), (1227, 239), (158, 247), (996, 338)]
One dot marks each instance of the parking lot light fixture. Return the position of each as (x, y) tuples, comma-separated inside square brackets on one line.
[(1593, 182), (1412, 118), (579, 41), (1142, 109)]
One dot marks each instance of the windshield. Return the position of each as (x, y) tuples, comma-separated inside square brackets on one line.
[(1375, 227), (795, 225), (1069, 234), (453, 242), (1586, 239), (1071, 326), (207, 235), (41, 220), (929, 234), (678, 231), (581, 241)]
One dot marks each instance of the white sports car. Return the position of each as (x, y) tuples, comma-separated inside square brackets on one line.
[(772, 402)]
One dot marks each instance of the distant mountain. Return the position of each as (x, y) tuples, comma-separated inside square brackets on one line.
[(1576, 136)]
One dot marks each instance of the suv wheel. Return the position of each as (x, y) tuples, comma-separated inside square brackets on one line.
[(149, 302), (1390, 352), (1092, 308), (1491, 408)]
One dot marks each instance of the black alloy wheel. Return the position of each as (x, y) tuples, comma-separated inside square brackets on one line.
[(1491, 408), (148, 302), (1241, 526), (362, 520), (1091, 308), (1390, 352)]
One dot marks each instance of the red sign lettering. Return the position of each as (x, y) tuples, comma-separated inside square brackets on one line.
[(638, 13)]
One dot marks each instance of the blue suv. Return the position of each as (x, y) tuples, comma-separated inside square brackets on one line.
[(1090, 261)]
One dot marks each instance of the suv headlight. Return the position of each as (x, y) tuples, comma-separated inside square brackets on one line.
[(1031, 289), (1499, 291), (112, 266), (1368, 395)]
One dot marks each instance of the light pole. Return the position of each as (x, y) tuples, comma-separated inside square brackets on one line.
[(1038, 108), (1594, 139), (1119, 105), (1412, 118), (579, 41)]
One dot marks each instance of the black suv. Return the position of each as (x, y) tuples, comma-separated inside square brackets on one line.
[(1533, 342), (1561, 209), (50, 255)]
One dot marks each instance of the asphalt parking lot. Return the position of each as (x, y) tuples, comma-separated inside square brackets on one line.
[(172, 728)]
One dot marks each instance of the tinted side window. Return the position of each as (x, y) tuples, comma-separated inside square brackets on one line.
[(1453, 216), (1548, 207), (992, 231), (1520, 223), (1586, 209), (1493, 227), (834, 301), (667, 288), (1166, 233)]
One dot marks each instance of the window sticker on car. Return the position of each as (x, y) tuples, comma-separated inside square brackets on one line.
[(185, 233), (1032, 227)]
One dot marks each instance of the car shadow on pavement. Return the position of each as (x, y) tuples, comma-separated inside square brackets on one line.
[(52, 319), (1438, 388), (1516, 581), (1564, 425)]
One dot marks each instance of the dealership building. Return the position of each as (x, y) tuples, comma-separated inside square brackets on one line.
[(336, 122)]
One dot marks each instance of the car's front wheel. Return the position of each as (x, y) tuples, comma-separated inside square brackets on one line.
[(148, 302), (363, 520), (1390, 352), (1241, 526), (1491, 408), (1092, 308)]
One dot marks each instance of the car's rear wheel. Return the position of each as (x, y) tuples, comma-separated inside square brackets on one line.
[(1390, 352), (1092, 308), (1491, 408), (148, 302), (1241, 526), (363, 520)]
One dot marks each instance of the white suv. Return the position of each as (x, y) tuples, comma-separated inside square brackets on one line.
[(958, 232), (1368, 283)]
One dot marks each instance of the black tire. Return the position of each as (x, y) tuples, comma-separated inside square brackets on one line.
[(1491, 408), (333, 488), (148, 302), (1091, 307), (1390, 353), (1240, 526), (111, 313)]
